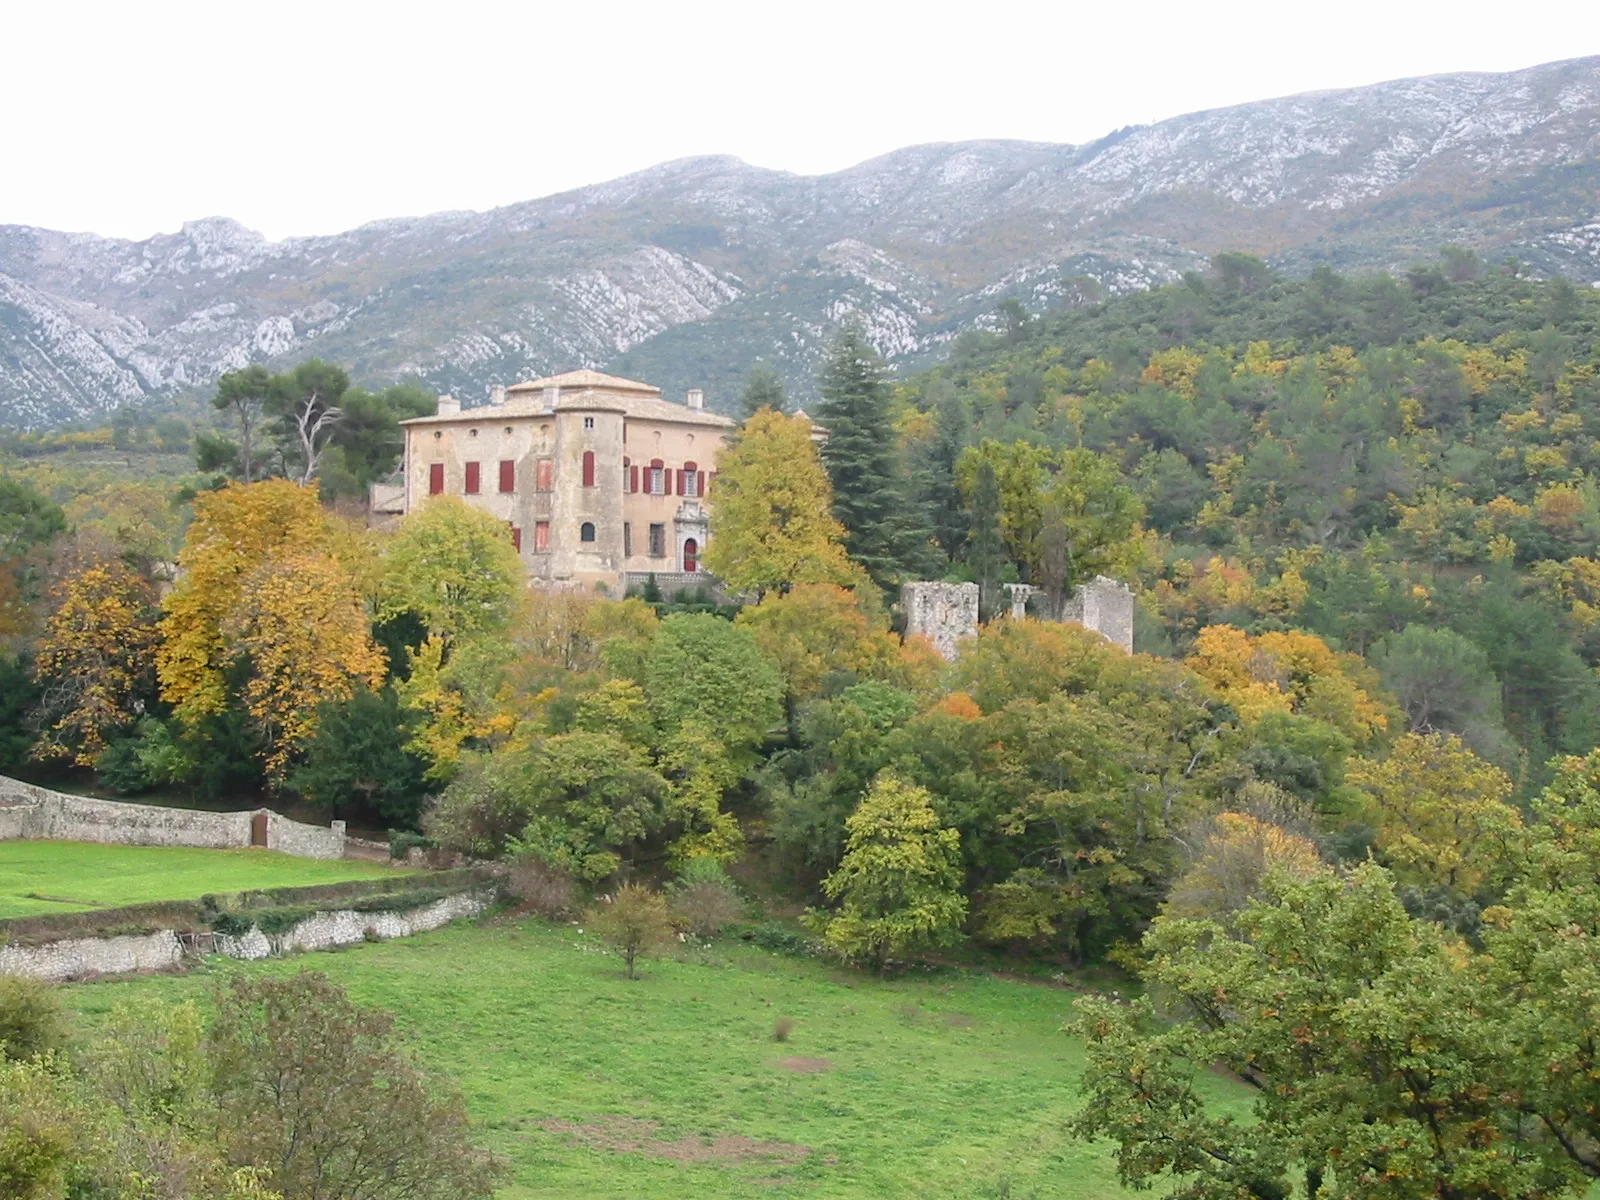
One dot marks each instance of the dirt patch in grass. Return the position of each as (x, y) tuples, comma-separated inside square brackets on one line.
[(957, 1020), (635, 1135), (805, 1066)]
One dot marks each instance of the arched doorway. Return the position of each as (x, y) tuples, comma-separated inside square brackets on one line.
[(691, 554)]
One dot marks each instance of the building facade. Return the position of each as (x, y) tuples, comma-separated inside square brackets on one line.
[(599, 479)]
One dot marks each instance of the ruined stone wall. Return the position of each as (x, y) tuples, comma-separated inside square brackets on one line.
[(28, 812), (944, 613), (1104, 606)]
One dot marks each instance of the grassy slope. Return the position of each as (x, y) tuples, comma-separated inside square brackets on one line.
[(98, 876), (940, 1085)]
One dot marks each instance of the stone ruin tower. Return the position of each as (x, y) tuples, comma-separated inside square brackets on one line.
[(945, 613)]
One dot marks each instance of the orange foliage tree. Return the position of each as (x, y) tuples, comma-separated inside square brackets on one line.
[(96, 655)]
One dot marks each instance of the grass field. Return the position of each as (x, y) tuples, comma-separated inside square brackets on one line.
[(938, 1085), (76, 876)]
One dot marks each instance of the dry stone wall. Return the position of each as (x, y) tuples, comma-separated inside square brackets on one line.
[(28, 812), (80, 958), (346, 927)]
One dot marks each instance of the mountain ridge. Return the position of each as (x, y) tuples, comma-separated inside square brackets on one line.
[(688, 271)]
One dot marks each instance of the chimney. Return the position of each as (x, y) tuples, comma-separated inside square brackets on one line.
[(697, 398), (449, 406), (497, 395), (551, 395)]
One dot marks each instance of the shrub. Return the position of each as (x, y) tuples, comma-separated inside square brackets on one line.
[(318, 1089), (704, 899), (779, 938), (543, 887), (30, 1018), (403, 841), (635, 921)]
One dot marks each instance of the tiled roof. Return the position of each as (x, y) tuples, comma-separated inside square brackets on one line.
[(585, 379)]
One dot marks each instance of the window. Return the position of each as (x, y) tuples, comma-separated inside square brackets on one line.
[(658, 541), (472, 479), (627, 539), (688, 481), (586, 532), (691, 554), (656, 485), (508, 475), (588, 468), (435, 478), (516, 539), (541, 537), (588, 422), (627, 470), (542, 475)]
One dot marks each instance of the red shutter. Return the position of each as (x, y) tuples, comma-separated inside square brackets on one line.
[(516, 539), (633, 479), (588, 468), (472, 479), (435, 478), (508, 475), (679, 474), (699, 483)]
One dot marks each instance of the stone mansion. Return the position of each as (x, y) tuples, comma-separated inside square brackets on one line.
[(599, 478)]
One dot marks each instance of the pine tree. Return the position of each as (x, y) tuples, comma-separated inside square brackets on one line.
[(986, 549), (870, 497), (763, 389)]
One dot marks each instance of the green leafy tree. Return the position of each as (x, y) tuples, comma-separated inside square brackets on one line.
[(304, 405), (899, 882), (763, 389), (358, 758), (636, 921), (243, 395), (318, 1090), (705, 673), (1444, 685), (870, 496), (1388, 1060), (454, 567)]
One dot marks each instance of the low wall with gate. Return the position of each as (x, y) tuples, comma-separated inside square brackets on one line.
[(35, 813)]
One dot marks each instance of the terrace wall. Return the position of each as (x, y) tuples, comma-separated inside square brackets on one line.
[(28, 812)]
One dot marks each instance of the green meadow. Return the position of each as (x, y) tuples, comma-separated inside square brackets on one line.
[(54, 877), (940, 1084)]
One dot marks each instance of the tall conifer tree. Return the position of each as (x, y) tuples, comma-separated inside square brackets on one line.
[(870, 497)]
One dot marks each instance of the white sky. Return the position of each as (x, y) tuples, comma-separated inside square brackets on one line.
[(127, 118)]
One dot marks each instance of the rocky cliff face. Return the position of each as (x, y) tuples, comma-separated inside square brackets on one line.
[(688, 272)]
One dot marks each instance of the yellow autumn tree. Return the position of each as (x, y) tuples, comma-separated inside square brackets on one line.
[(1440, 810), (1290, 672), (306, 633), (814, 630), (1236, 853), (235, 532), (96, 655), (772, 526)]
